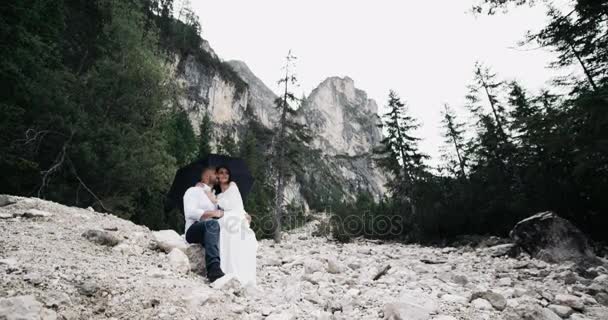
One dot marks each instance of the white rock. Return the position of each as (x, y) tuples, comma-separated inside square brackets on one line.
[(481, 304), (35, 213), (56, 298), (179, 261), (562, 311), (168, 240), (454, 298), (312, 266), (128, 249), (512, 303), (272, 261), (530, 311), (519, 292), (578, 316), (196, 255), (444, 317), (281, 316), (459, 279), (226, 282), (4, 215), (569, 300), (411, 306), (10, 262), (322, 315), (24, 308), (198, 297), (505, 282), (496, 299), (333, 266)]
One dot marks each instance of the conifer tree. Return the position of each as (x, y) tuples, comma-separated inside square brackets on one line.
[(287, 145), (227, 146), (205, 137), (399, 151), (454, 135), (182, 140)]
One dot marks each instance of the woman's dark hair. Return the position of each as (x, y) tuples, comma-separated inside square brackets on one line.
[(217, 187)]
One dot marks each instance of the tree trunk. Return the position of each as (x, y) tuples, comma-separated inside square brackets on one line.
[(453, 136), (460, 161), (585, 70), (492, 105), (278, 204)]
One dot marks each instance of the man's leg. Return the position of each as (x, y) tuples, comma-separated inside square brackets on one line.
[(211, 240), (207, 233)]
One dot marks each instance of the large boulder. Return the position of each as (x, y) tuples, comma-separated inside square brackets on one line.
[(101, 237), (196, 255), (179, 261), (530, 312), (168, 240), (548, 237)]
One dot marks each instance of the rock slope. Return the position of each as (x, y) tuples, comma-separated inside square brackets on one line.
[(59, 262)]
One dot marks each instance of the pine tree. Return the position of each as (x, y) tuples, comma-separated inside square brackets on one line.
[(399, 152), (227, 146), (204, 138), (454, 135), (259, 202), (485, 81), (181, 139), (291, 136), (492, 126)]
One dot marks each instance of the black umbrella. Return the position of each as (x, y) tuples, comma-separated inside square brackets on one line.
[(189, 175)]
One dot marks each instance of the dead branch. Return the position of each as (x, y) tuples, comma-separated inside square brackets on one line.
[(46, 174), (75, 173), (382, 272)]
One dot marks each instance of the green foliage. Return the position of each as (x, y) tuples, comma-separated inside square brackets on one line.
[(259, 202), (181, 138), (399, 152), (227, 145), (455, 141), (84, 120), (367, 218), (529, 152), (289, 144), (205, 137)]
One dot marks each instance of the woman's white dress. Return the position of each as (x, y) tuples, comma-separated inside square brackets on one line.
[(238, 245)]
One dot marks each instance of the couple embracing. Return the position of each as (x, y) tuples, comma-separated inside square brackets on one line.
[(216, 218)]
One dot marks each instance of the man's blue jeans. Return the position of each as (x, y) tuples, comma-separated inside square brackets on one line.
[(207, 233)]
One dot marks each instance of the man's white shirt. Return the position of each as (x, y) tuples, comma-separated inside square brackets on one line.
[(196, 203)]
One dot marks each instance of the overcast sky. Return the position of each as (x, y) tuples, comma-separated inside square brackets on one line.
[(424, 50)]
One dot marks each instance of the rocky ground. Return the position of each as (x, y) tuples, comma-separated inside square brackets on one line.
[(59, 262)]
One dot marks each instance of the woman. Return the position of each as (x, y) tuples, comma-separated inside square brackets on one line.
[(238, 244)]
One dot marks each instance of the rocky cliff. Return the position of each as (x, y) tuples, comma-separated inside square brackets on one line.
[(342, 118), (345, 125)]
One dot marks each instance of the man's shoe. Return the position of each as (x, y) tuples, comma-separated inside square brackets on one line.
[(214, 272)]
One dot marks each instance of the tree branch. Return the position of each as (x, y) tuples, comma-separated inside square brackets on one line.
[(73, 169)]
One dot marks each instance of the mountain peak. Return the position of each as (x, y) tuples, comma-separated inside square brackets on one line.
[(342, 91)]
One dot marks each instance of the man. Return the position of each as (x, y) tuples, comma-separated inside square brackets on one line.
[(201, 224)]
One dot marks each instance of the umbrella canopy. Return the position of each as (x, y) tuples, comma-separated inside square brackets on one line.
[(189, 175)]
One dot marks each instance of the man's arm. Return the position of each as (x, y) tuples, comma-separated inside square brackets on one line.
[(193, 211), (209, 214), (207, 209)]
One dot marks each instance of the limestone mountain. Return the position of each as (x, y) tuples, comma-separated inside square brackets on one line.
[(343, 120), (346, 129)]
